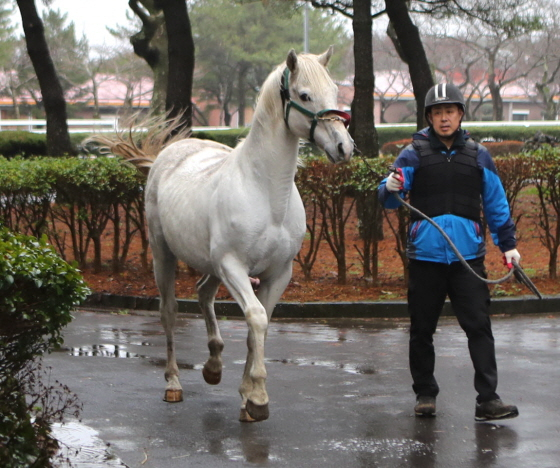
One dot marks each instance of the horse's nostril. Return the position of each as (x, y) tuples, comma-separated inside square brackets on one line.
[(341, 149)]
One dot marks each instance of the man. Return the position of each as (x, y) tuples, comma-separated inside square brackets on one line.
[(448, 176)]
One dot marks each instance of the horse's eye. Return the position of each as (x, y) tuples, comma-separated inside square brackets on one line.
[(304, 97)]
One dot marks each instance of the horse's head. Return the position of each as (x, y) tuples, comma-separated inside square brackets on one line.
[(309, 98)]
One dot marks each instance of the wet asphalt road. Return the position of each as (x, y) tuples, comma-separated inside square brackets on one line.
[(340, 395)]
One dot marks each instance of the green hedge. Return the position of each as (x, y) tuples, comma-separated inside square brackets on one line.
[(13, 143), (228, 137), (478, 132), (75, 201), (22, 143)]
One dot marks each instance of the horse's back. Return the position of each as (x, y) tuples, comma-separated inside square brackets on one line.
[(191, 151), (185, 163)]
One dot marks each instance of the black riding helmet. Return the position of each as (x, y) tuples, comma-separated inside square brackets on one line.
[(443, 94)]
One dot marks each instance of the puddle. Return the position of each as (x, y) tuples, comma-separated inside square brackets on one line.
[(103, 350), (81, 447), (388, 448), (350, 368), (118, 351), (162, 362)]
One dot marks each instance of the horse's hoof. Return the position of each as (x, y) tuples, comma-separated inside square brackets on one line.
[(212, 378), (173, 395), (257, 412), (245, 417)]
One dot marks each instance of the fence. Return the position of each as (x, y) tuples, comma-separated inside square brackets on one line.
[(112, 125), (74, 125)]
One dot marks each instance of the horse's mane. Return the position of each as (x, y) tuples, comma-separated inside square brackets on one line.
[(309, 70)]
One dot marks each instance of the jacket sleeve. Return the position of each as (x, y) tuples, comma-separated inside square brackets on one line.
[(495, 204), (407, 161)]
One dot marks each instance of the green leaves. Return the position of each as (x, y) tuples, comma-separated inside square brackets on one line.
[(38, 290)]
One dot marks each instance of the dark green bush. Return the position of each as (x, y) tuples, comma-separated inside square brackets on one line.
[(228, 137), (14, 143), (510, 132), (479, 133), (387, 134), (38, 292)]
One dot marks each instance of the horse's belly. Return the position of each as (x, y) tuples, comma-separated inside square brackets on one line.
[(267, 255)]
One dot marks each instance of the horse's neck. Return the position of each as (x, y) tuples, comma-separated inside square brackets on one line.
[(270, 157)]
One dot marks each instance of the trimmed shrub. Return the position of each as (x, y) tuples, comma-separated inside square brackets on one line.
[(14, 143), (495, 148), (387, 134), (230, 137), (393, 148), (503, 148)]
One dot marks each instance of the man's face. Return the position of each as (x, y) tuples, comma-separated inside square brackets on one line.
[(445, 119)]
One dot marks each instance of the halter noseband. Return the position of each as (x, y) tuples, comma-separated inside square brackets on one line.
[(287, 103)]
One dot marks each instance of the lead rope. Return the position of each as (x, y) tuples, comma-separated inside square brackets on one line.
[(450, 242), (442, 232)]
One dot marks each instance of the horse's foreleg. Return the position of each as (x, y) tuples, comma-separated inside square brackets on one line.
[(207, 288), (269, 293), (253, 387), (164, 272)]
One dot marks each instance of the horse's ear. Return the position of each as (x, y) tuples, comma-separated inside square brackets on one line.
[(326, 56), (291, 61)]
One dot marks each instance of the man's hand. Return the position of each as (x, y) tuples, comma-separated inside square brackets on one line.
[(511, 256), (395, 182)]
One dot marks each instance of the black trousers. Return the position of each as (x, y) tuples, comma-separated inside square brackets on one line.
[(429, 285)]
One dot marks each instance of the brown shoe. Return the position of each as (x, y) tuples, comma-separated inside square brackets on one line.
[(494, 409), (425, 406)]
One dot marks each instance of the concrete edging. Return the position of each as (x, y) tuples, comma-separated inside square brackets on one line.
[(382, 309)]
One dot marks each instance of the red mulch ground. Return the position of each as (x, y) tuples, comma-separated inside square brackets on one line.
[(324, 285)]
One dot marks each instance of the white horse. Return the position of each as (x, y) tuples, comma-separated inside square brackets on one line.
[(234, 214)]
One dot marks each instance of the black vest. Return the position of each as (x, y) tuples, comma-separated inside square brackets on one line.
[(447, 185)]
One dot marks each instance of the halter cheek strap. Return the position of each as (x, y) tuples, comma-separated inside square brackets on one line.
[(287, 103)]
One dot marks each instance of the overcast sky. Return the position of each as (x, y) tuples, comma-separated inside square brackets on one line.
[(91, 17)]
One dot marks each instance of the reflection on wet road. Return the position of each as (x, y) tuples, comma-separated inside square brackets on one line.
[(340, 395)]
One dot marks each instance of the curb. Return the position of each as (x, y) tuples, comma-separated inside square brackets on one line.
[(315, 310)]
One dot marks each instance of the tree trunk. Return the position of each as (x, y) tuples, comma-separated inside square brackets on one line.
[(241, 92), (362, 126), (151, 44), (95, 92), (180, 47), (58, 138), (497, 101), (412, 51)]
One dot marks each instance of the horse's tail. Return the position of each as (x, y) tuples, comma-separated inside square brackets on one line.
[(139, 141)]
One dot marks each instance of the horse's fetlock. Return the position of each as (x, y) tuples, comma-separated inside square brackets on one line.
[(215, 346)]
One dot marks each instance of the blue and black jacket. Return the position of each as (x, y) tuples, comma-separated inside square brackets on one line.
[(425, 242)]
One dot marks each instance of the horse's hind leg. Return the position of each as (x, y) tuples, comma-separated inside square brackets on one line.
[(207, 288), (165, 264)]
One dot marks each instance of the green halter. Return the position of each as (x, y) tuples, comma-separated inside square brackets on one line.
[(287, 103)]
